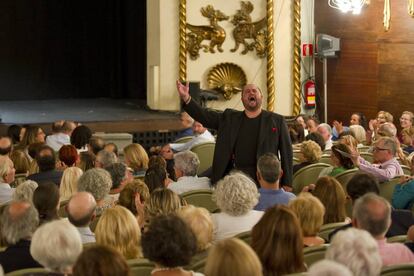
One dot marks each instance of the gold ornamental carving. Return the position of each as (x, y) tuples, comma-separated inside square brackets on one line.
[(227, 78), (296, 58), (213, 32), (271, 94), (182, 74), (410, 8), (387, 15), (246, 29)]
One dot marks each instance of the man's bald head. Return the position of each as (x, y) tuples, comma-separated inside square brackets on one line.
[(81, 209), (6, 145)]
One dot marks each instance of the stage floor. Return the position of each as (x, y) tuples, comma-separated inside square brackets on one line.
[(102, 114)]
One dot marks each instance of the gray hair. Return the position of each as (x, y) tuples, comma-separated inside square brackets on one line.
[(387, 129), (389, 143), (374, 219), (187, 162), (15, 227), (106, 158), (25, 190), (236, 194), (96, 181), (56, 245), (359, 133), (269, 167), (326, 126), (357, 250), (328, 268), (117, 172)]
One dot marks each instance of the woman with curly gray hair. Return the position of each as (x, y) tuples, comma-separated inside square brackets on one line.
[(236, 195)]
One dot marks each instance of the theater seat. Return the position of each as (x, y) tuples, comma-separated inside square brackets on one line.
[(307, 175), (327, 229), (245, 236), (29, 271), (183, 140), (201, 198), (205, 153), (387, 188), (140, 267), (399, 238), (398, 270), (313, 254)]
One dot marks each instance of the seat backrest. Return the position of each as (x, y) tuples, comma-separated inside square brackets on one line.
[(29, 271), (296, 154), (399, 238), (326, 158), (327, 229), (345, 176), (245, 236), (140, 267), (387, 188), (201, 198), (364, 148), (94, 223), (62, 209), (19, 178), (183, 140), (367, 156), (295, 160), (398, 270), (313, 254), (307, 175), (205, 153), (406, 169)]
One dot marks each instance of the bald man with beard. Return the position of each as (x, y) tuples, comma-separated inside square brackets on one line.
[(81, 212)]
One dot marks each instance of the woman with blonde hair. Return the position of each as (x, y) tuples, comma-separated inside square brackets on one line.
[(162, 202), (277, 230), (119, 229), (310, 153), (232, 257), (310, 212), (330, 192), (69, 182), (7, 174), (33, 134), (20, 161), (136, 158), (134, 197)]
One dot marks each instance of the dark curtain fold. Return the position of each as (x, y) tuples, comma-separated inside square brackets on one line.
[(52, 49)]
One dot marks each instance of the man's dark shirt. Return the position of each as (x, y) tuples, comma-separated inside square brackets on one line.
[(53, 176), (17, 257)]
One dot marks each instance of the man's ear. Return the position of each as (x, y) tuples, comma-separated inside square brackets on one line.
[(354, 223), (258, 175), (280, 173)]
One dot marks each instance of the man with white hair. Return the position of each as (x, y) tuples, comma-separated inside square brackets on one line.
[(105, 159), (373, 214), (326, 131), (81, 212), (202, 135), (61, 134), (7, 173), (18, 222), (185, 167)]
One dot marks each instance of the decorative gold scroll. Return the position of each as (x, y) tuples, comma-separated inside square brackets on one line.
[(270, 58), (387, 15), (296, 58), (183, 48), (410, 8)]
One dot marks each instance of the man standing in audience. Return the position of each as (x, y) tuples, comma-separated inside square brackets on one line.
[(243, 136), (387, 166), (186, 166), (81, 212), (46, 161), (6, 145), (325, 131), (19, 220), (373, 214), (61, 134), (202, 135), (268, 175)]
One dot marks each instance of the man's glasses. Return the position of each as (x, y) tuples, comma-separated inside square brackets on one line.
[(378, 149)]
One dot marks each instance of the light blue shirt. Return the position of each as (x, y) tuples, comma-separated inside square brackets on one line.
[(269, 198), (6, 193)]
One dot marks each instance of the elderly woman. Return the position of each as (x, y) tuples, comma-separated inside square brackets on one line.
[(69, 182), (7, 173), (136, 158), (119, 229), (98, 182), (310, 153), (56, 246), (134, 196), (25, 191), (407, 138), (236, 195), (310, 212), (406, 120)]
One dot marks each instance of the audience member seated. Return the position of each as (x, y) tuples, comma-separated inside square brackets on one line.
[(111, 147), (96, 144), (330, 192), (359, 134), (81, 212), (301, 119), (382, 117), (328, 268), (317, 138), (312, 124), (6, 145), (46, 161), (387, 166), (46, 200), (69, 183), (120, 176), (407, 138), (296, 133), (340, 159), (134, 197), (350, 141), (276, 231), (119, 229), (358, 119), (403, 196), (105, 159), (186, 164), (406, 121), (172, 253), (13, 132), (33, 134), (236, 195), (155, 177), (62, 131), (310, 212), (99, 260), (68, 156), (98, 182), (232, 257), (136, 158), (19, 220), (20, 161), (80, 138), (373, 214), (162, 201), (25, 191), (32, 151), (7, 173), (310, 153), (325, 131), (56, 246), (202, 135), (168, 155), (187, 123), (87, 161), (357, 250), (269, 173)]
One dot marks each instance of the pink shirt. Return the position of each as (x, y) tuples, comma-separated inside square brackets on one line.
[(394, 253), (384, 171)]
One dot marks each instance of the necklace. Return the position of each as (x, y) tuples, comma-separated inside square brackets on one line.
[(155, 270)]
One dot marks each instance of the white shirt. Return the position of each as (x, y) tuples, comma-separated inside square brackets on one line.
[(189, 183), (6, 193), (196, 140), (329, 143), (57, 140), (227, 226), (87, 236)]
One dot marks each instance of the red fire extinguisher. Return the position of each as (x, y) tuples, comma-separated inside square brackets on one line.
[(310, 95)]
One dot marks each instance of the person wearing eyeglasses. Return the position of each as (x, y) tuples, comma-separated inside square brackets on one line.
[(386, 165)]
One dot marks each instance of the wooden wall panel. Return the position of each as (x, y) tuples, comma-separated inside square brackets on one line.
[(375, 69)]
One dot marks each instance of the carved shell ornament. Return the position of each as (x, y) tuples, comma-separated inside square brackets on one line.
[(227, 78)]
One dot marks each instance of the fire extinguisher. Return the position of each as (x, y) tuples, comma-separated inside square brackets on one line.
[(309, 87)]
